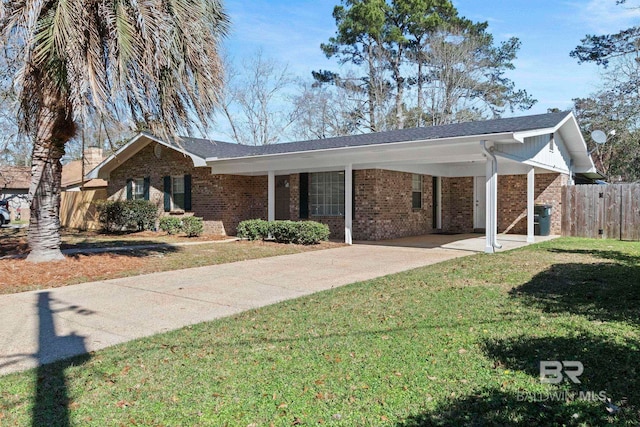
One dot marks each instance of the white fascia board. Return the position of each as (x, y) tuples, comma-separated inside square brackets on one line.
[(128, 150), (520, 136), (501, 137), (197, 160), (98, 172)]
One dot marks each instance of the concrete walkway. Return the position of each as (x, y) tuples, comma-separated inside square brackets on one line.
[(43, 326)]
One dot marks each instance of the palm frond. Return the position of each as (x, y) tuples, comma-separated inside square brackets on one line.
[(156, 59)]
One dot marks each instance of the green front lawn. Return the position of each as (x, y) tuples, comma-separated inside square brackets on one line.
[(452, 344)]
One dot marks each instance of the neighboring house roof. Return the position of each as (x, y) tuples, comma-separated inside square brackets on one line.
[(72, 176), (15, 177), (443, 148)]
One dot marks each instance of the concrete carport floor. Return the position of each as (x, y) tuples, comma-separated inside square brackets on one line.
[(39, 327)]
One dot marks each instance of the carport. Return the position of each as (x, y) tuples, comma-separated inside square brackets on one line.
[(523, 146)]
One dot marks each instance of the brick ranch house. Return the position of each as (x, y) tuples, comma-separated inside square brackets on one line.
[(477, 176)]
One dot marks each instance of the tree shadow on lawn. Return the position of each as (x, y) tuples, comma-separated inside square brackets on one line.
[(607, 291), (610, 366), (497, 407), (136, 248), (601, 291), (51, 400)]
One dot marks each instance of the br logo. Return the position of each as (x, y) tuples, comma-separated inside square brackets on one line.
[(554, 371)]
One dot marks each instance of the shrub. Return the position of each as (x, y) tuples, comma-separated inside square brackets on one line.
[(284, 231), (253, 229), (311, 232), (144, 214), (128, 214), (110, 215), (303, 232), (192, 226), (170, 224)]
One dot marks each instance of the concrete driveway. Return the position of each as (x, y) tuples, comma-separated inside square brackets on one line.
[(43, 326)]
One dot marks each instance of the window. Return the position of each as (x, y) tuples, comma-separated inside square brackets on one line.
[(416, 191), (327, 194), (177, 193), (138, 189)]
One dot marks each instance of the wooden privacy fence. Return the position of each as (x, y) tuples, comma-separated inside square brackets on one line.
[(77, 209), (601, 211)]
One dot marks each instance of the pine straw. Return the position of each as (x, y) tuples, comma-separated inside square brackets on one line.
[(19, 275)]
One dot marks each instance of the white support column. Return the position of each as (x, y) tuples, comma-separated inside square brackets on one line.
[(348, 204), (271, 197), (489, 230), (531, 186)]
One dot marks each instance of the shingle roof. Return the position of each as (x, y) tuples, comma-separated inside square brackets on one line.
[(205, 148), (72, 175)]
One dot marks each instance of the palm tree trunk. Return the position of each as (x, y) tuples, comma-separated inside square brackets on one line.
[(54, 128)]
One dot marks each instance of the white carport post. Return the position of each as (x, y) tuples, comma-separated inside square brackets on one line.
[(531, 186), (491, 189), (271, 196), (348, 204), (489, 230)]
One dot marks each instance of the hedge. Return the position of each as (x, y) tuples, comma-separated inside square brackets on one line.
[(121, 215), (253, 229), (298, 232), (170, 224), (190, 225)]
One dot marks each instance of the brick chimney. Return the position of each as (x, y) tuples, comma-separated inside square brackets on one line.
[(92, 158)]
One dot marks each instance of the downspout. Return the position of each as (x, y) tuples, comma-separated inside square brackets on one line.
[(494, 172), (571, 173)]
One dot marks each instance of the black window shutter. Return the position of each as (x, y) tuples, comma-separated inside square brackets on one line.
[(187, 192), (129, 189), (353, 194), (167, 193), (147, 181), (304, 195)]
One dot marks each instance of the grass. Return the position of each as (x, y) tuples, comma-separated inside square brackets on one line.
[(453, 344)]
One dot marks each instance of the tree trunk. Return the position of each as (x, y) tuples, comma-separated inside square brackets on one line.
[(54, 128), (419, 124)]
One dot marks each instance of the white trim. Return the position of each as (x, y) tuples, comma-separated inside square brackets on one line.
[(348, 204), (131, 151), (503, 137), (531, 176), (488, 248)]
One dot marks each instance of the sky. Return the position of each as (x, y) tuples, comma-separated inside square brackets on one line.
[(291, 32)]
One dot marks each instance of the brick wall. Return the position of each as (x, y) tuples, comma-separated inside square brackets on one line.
[(457, 205), (512, 200), (222, 200), (382, 206), (384, 200)]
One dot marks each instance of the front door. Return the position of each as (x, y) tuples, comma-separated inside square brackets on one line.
[(282, 197), (480, 203)]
